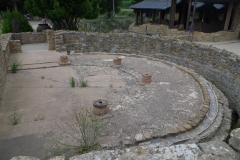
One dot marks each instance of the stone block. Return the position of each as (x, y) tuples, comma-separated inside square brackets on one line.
[(191, 123), (182, 129), (234, 140), (24, 158), (58, 158), (196, 120), (187, 126), (218, 149), (173, 131)]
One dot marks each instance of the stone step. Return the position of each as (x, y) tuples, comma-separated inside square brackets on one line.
[(36, 66), (219, 128), (222, 131)]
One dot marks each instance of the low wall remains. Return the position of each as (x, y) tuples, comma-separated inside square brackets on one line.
[(220, 67), (30, 37), (4, 60), (164, 31)]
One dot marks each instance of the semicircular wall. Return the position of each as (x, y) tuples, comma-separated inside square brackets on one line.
[(220, 67)]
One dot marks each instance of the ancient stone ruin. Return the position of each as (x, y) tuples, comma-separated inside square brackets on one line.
[(184, 110)]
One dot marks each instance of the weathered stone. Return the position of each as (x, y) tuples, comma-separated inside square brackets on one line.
[(191, 123), (187, 126), (218, 149), (24, 158), (201, 114), (234, 140), (58, 158), (182, 129), (173, 131), (206, 106), (139, 137), (205, 110), (147, 135)]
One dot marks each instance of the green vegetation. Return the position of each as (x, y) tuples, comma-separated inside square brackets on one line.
[(107, 6), (126, 3), (14, 118), (72, 82), (83, 82), (1, 26), (17, 5), (63, 14), (6, 26), (80, 130), (14, 65), (104, 24)]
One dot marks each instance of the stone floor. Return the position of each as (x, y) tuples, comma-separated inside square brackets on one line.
[(42, 95)]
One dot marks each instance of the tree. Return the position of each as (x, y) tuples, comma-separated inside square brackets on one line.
[(107, 6), (11, 4), (136, 1), (22, 21), (64, 14)]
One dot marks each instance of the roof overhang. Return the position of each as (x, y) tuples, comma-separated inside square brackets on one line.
[(162, 5)]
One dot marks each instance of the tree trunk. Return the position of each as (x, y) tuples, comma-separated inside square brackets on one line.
[(15, 6)]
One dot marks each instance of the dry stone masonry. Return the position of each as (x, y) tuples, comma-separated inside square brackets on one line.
[(220, 67)]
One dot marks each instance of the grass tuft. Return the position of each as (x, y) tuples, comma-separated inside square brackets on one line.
[(14, 118), (14, 65), (72, 82)]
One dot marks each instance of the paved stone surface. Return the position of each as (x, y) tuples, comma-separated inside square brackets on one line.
[(137, 109)]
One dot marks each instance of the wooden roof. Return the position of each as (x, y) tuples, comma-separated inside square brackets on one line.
[(165, 4)]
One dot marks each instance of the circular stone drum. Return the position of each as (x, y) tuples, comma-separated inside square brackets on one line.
[(146, 78), (64, 59), (117, 61), (100, 107)]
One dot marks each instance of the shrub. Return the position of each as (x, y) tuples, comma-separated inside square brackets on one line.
[(79, 130), (24, 25)]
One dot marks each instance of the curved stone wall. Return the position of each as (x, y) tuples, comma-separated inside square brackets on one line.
[(220, 67)]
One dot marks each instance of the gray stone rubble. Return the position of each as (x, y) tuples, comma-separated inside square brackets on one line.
[(234, 140)]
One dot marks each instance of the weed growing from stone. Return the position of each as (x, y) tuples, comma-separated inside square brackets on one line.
[(72, 82), (80, 130), (83, 81), (14, 65), (14, 118)]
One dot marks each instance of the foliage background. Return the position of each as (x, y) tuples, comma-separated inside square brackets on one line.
[(7, 22)]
